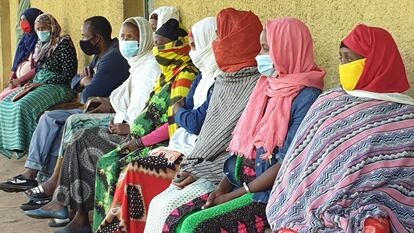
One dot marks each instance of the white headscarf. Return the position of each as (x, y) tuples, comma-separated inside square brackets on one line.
[(165, 13), (204, 33), (129, 99), (391, 97)]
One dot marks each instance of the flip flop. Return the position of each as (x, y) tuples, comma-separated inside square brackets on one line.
[(55, 222), (33, 205), (38, 194), (18, 184), (41, 214)]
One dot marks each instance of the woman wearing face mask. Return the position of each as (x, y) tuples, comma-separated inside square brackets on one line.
[(160, 167), (350, 167), (161, 15), (290, 83), (23, 68), (56, 64)]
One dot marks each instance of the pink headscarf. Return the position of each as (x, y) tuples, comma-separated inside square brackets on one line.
[(265, 121)]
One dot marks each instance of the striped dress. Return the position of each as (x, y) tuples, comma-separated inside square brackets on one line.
[(352, 158), (18, 119)]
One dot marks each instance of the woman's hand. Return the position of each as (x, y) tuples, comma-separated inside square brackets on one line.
[(183, 179), (119, 128), (217, 198), (15, 82), (132, 145)]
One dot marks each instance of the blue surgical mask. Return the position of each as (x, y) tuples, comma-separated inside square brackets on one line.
[(265, 65), (43, 36), (129, 48)]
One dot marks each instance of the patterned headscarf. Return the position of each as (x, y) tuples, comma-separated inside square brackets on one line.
[(43, 50)]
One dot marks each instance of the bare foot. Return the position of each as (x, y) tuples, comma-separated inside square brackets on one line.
[(52, 206), (48, 186)]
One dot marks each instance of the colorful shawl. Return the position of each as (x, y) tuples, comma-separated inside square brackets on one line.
[(177, 71), (265, 121), (352, 158)]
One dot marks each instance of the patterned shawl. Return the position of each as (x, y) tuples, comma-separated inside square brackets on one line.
[(351, 158)]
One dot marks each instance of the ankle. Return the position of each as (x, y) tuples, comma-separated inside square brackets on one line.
[(30, 174)]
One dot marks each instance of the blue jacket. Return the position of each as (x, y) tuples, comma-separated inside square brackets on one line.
[(111, 70), (189, 118)]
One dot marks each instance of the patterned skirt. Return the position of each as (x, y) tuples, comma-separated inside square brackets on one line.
[(108, 172), (18, 119), (143, 179), (77, 180)]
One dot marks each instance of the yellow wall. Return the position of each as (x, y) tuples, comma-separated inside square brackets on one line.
[(70, 15), (329, 21)]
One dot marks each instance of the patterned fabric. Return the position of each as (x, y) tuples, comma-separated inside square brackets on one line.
[(230, 95), (77, 179), (175, 63), (18, 119), (135, 191), (351, 159), (234, 216), (164, 203)]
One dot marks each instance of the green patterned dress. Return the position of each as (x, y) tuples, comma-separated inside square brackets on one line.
[(18, 119)]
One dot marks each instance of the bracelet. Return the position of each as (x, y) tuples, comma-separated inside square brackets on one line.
[(246, 187), (138, 142)]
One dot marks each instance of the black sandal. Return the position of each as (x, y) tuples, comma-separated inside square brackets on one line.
[(37, 194), (33, 205), (18, 184)]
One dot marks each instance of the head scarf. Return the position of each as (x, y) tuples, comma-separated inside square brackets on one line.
[(129, 99), (176, 67), (44, 50), (384, 70), (165, 13), (204, 33), (265, 121), (171, 30), (238, 39), (28, 42)]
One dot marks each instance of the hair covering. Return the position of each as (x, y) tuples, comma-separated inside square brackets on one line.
[(384, 70), (265, 121), (204, 33), (129, 99), (238, 39), (171, 30), (165, 13), (28, 42), (43, 50)]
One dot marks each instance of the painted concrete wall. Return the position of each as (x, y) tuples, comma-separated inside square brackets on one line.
[(5, 43), (70, 15), (329, 21)]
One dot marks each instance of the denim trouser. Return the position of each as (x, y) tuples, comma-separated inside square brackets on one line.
[(46, 140)]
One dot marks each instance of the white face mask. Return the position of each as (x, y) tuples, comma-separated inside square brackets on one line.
[(265, 65)]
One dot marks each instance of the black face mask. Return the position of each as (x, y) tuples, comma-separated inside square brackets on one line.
[(88, 48)]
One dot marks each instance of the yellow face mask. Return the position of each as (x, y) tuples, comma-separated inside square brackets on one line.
[(350, 73)]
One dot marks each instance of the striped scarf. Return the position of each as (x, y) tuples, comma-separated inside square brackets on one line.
[(176, 67)]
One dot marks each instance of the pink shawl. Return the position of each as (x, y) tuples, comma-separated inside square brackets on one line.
[(265, 121)]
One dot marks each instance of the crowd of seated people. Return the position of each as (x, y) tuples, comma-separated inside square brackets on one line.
[(225, 127)]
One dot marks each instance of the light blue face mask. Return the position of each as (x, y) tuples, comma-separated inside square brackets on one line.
[(129, 48), (43, 36), (265, 65)]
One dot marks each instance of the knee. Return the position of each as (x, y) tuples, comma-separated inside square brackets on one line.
[(190, 222)]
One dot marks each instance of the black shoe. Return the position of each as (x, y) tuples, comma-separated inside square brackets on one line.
[(18, 184), (33, 205)]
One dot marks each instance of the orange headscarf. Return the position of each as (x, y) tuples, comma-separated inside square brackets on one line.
[(238, 39), (384, 70)]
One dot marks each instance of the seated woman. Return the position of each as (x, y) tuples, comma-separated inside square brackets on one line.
[(159, 170), (77, 179), (290, 83), (352, 160), (235, 49), (23, 68), (56, 64), (161, 15)]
